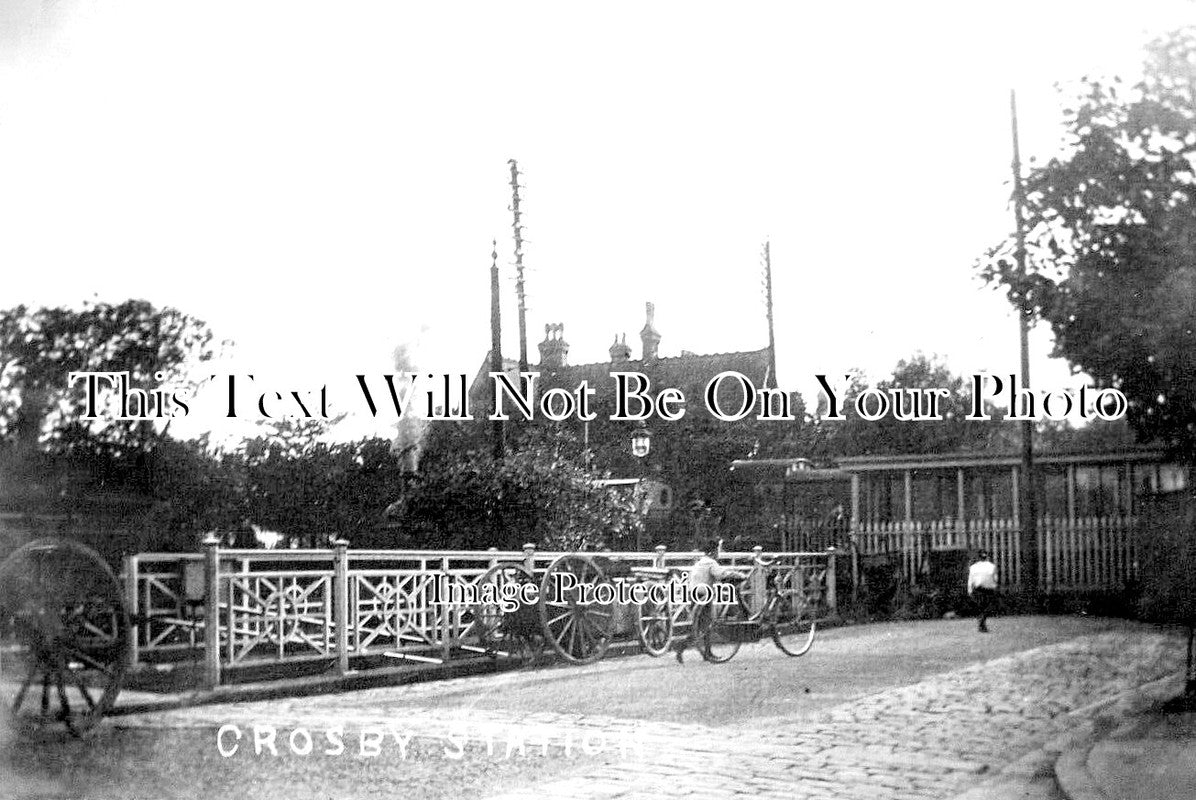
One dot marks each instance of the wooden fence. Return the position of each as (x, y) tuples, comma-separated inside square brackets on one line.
[(1086, 554)]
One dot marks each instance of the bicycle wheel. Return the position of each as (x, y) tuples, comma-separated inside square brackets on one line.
[(654, 627), (792, 626), (724, 634)]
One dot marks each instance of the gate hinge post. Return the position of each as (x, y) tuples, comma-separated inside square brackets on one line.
[(211, 622), (340, 604)]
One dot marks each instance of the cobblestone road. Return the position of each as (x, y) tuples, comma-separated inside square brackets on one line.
[(933, 739)]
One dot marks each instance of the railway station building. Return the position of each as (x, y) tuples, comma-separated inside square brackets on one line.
[(920, 511)]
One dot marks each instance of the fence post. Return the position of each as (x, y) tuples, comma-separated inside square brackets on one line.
[(449, 616), (759, 585), (529, 557), (211, 621), (855, 564), (660, 551), (340, 604), (131, 597), (832, 599)]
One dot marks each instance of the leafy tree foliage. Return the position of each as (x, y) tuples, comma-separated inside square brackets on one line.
[(856, 436), (194, 489), (464, 498), (39, 348), (288, 479), (1111, 249), (1111, 241), (312, 490)]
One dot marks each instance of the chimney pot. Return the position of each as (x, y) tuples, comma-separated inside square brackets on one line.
[(554, 350)]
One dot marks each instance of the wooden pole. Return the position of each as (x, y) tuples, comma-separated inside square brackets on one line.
[(211, 622), (771, 382), (1029, 510), (496, 429), (516, 224), (854, 540), (340, 604)]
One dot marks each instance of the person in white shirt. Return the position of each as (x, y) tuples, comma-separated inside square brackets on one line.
[(706, 571), (982, 587)]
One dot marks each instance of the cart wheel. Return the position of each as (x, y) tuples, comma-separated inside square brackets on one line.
[(579, 633), (792, 617), (508, 634), (721, 641), (654, 627), (62, 625)]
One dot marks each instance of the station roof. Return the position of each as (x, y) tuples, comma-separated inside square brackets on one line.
[(803, 470), (799, 470), (1005, 458)]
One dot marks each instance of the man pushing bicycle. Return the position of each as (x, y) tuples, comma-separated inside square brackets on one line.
[(706, 571)]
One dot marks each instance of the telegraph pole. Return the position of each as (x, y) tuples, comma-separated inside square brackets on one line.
[(496, 427), (1026, 502), (516, 224), (772, 342)]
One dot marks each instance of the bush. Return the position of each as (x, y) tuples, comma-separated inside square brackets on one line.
[(534, 495)]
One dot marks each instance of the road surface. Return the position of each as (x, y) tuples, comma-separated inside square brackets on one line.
[(894, 710)]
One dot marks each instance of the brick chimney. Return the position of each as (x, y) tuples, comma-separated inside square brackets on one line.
[(554, 350), (620, 353), (649, 335)]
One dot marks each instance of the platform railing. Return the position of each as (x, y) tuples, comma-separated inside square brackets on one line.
[(293, 606)]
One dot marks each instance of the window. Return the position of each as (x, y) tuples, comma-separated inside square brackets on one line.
[(1172, 478), (990, 495), (1098, 492), (1146, 479), (884, 497), (934, 496), (1052, 491)]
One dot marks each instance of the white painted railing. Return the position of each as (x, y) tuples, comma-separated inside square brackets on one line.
[(289, 606)]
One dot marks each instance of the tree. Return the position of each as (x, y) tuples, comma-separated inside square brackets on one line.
[(53, 460), (39, 348), (195, 490), (856, 436), (1111, 242), (1111, 258), (312, 490), (535, 494)]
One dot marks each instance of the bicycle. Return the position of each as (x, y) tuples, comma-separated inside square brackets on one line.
[(787, 614)]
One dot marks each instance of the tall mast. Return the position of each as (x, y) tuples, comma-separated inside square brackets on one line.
[(772, 342), (1027, 502), (517, 226), (496, 427)]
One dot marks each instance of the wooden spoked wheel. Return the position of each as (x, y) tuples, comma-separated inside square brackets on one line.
[(512, 632), (654, 627), (792, 621), (576, 627), (63, 628)]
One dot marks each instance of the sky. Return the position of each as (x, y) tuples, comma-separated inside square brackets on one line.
[(321, 182)]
